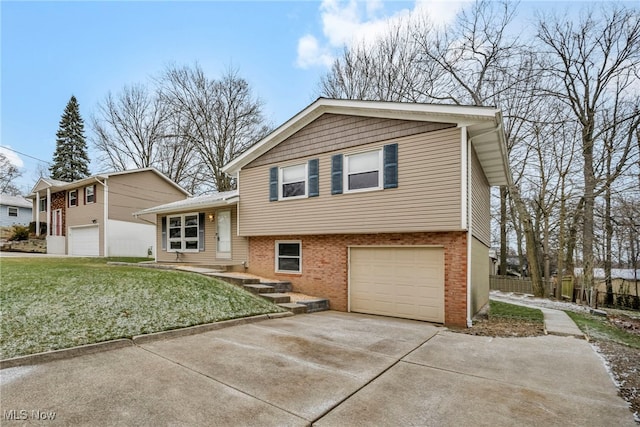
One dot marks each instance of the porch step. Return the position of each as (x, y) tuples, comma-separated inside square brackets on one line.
[(260, 289), (294, 307), (276, 297), (279, 286), (236, 279), (313, 305)]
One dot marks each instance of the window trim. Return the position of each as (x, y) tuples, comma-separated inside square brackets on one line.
[(9, 211), (86, 194), (42, 204), (345, 168), (75, 199), (281, 182), (277, 257), (182, 239)]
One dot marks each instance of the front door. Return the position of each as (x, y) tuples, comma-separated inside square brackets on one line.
[(223, 233)]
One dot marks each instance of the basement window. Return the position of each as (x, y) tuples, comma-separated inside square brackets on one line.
[(289, 257)]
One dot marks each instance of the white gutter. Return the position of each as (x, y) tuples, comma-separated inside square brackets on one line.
[(105, 221), (470, 230)]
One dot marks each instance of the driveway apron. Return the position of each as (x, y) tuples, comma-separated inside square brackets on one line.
[(325, 368)]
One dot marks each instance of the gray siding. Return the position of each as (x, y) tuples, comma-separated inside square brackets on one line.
[(427, 197), (480, 202), (332, 132), (239, 245)]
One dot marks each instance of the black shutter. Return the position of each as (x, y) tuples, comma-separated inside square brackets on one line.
[(273, 184), (314, 184), (390, 158), (201, 231), (164, 233), (336, 174)]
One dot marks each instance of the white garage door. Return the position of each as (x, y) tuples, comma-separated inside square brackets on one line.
[(84, 241), (403, 282)]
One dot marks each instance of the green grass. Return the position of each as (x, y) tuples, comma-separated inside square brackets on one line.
[(502, 310), (53, 303), (599, 329)]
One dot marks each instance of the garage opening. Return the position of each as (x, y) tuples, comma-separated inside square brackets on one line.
[(84, 241), (399, 281)]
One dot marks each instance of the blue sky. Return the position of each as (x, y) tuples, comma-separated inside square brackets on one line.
[(51, 50)]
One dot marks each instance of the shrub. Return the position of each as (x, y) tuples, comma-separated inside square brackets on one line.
[(20, 232)]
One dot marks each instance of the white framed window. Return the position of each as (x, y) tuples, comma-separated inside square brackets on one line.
[(183, 233), (363, 171), (289, 256), (43, 205), (293, 182), (73, 198), (89, 194), (13, 211)]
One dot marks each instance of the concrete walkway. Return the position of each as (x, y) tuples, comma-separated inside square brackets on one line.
[(556, 322), (325, 369)]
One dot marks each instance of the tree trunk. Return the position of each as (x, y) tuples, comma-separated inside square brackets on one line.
[(588, 226), (530, 240)]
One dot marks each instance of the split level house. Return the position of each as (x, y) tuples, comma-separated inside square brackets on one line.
[(94, 216), (381, 207)]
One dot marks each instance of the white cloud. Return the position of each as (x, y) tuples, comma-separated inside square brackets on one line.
[(311, 54), (12, 156), (345, 22)]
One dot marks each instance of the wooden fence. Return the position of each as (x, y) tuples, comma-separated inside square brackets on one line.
[(521, 285)]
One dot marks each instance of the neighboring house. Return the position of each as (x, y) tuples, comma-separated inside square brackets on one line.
[(380, 207), (14, 210), (201, 230), (623, 280), (94, 216)]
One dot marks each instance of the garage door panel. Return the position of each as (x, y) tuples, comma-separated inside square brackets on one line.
[(84, 241), (398, 281)]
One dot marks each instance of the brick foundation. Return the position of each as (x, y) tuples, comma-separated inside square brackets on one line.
[(325, 265)]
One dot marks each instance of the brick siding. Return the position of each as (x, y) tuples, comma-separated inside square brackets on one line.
[(59, 201), (325, 265)]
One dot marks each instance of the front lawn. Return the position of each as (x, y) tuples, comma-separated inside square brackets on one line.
[(53, 303)]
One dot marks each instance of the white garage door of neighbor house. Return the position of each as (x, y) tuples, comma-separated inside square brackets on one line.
[(84, 241), (403, 282)]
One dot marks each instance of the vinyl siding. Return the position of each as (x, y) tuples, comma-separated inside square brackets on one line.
[(333, 132), (427, 197), (480, 202), (86, 214), (239, 245), (133, 192)]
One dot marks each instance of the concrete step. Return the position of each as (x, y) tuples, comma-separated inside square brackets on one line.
[(293, 307), (236, 280), (279, 286), (260, 289), (276, 297), (313, 305)]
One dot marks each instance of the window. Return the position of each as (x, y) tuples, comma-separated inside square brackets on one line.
[(89, 194), (289, 257), (362, 171), (43, 205), (183, 232), (294, 181), (13, 211), (73, 198)]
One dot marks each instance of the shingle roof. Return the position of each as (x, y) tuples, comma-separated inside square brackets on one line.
[(17, 201), (198, 202)]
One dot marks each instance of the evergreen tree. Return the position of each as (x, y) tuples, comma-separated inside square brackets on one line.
[(70, 160)]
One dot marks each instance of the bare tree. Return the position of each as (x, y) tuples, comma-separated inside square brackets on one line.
[(594, 61), (8, 174), (220, 118), (129, 128)]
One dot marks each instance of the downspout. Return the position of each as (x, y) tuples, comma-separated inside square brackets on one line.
[(105, 221), (465, 145)]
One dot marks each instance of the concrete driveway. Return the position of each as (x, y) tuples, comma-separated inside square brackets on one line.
[(326, 369)]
